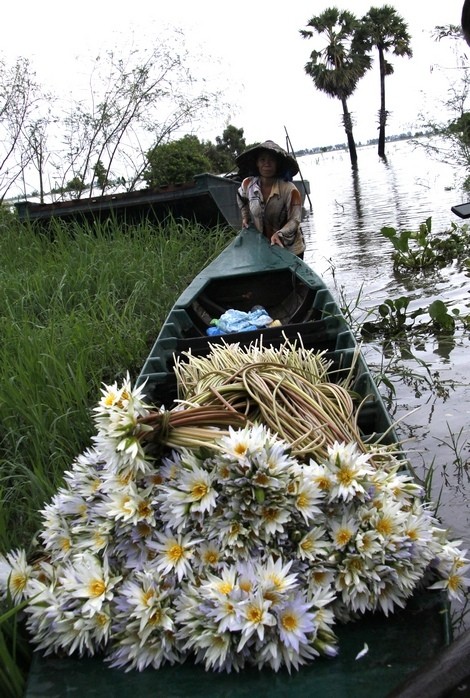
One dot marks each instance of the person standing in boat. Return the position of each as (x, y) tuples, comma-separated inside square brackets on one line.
[(268, 199)]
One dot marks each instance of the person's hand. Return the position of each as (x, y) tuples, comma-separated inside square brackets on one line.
[(277, 240), (245, 223)]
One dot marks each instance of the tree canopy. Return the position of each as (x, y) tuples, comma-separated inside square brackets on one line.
[(176, 162), (181, 159)]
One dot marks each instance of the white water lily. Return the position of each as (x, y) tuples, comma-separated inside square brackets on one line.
[(15, 574), (296, 621), (130, 505), (209, 554), (309, 498), (87, 577), (174, 553), (314, 544), (343, 530), (454, 567), (254, 617), (274, 577), (349, 470)]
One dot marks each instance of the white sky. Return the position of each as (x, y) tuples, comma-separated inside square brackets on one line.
[(256, 51)]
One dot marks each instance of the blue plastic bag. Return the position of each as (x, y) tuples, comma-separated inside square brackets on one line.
[(240, 321)]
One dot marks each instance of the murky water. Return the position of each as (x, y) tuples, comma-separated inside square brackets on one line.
[(345, 246)]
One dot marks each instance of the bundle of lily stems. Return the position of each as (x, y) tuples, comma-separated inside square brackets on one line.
[(289, 389)]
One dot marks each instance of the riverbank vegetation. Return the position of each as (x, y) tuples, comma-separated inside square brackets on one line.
[(396, 332), (80, 306)]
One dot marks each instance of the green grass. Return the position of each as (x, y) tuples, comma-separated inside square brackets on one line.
[(81, 306)]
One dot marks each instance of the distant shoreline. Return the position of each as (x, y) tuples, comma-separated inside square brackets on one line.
[(373, 141)]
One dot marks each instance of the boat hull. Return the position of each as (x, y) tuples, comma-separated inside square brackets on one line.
[(247, 273)]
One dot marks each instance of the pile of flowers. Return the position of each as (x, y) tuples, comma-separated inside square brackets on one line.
[(233, 552)]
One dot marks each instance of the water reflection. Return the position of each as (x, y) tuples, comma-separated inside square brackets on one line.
[(443, 348), (431, 390)]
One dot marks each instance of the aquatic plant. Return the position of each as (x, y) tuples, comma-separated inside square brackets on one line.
[(421, 249)]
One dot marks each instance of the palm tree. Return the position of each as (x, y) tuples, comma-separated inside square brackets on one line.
[(383, 28), (338, 67)]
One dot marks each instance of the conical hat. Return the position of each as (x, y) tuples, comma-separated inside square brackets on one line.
[(247, 160)]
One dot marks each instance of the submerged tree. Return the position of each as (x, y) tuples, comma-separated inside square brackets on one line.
[(384, 29), (448, 124), (338, 67)]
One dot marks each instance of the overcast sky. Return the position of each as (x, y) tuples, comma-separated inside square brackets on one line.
[(254, 52)]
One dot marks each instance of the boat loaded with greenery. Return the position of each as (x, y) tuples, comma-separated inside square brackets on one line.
[(244, 521)]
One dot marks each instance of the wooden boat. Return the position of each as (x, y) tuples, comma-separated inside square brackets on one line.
[(209, 200), (251, 272)]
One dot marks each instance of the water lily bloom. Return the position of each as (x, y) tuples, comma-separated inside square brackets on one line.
[(85, 634), (454, 568), (243, 444), (130, 652), (273, 519), (86, 577), (209, 554), (174, 553), (189, 492), (221, 584), (130, 505), (308, 499), (343, 530), (15, 574), (296, 622), (216, 648), (274, 577), (254, 617), (388, 521), (368, 543), (320, 475), (196, 483), (121, 399)]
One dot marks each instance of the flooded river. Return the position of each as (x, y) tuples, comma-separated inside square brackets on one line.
[(430, 376)]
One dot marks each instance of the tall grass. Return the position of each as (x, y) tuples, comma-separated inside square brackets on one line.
[(81, 306)]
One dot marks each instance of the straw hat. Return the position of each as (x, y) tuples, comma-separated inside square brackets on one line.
[(246, 162)]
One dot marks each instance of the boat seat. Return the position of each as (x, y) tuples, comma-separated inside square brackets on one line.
[(321, 334)]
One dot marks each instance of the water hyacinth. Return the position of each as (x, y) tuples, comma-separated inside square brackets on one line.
[(235, 554)]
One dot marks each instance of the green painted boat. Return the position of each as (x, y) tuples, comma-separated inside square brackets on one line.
[(250, 272)]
